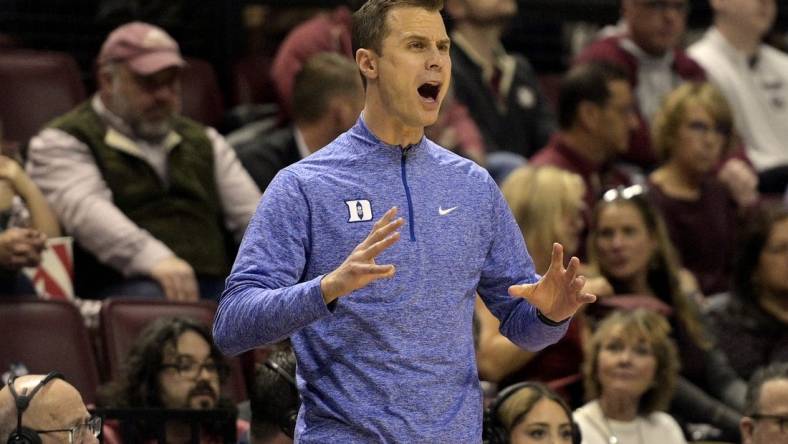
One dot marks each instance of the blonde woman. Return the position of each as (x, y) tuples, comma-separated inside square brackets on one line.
[(692, 132), (630, 373), (548, 205)]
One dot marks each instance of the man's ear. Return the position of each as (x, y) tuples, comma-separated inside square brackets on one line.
[(587, 114), (367, 61), (746, 427)]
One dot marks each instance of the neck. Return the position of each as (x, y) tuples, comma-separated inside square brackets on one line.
[(676, 180), (389, 129), (741, 40), (581, 143), (483, 39), (619, 408)]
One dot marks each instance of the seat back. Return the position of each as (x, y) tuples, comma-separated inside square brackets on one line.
[(122, 319), (36, 86), (202, 98), (47, 335)]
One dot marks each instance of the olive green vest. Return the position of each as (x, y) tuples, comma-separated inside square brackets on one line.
[(186, 215)]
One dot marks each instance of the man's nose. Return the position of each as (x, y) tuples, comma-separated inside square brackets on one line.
[(436, 59)]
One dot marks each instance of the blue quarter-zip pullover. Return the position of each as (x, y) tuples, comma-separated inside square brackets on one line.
[(392, 362)]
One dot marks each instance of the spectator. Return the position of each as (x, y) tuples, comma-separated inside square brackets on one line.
[(751, 322), (327, 100), (325, 32), (648, 49), (630, 373), (547, 204), (692, 131), (596, 116), (147, 194), (630, 248), (500, 89), (528, 413), (26, 221), (274, 400), (36, 407), (753, 77), (767, 403), (173, 365)]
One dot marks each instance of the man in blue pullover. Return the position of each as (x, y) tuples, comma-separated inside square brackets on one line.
[(368, 255)]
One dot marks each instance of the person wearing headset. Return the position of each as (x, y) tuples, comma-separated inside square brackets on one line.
[(36, 409), (274, 400), (529, 413)]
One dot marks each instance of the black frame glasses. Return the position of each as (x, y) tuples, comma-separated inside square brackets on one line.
[(92, 425), (781, 419), (192, 370)]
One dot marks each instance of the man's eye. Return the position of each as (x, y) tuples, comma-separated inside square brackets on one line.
[(416, 45)]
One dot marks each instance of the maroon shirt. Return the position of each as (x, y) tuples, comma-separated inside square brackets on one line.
[(703, 232)]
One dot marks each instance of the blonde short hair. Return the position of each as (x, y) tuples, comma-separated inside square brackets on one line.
[(671, 115), (655, 329)]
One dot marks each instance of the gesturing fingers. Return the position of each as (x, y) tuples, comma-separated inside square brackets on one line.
[(557, 257)]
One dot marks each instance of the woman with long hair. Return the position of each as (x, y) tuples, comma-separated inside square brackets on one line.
[(629, 247)]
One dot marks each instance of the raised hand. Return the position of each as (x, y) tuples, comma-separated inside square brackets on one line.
[(558, 294), (359, 269)]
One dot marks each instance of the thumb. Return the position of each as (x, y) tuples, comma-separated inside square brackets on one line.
[(522, 291)]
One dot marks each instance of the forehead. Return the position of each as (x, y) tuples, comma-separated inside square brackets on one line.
[(621, 212), (628, 333), (403, 22), (774, 397), (190, 343), (547, 411), (620, 91)]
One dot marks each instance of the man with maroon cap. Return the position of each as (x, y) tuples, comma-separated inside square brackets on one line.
[(148, 194)]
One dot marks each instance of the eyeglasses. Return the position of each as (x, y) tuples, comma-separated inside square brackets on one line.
[(781, 419), (191, 369), (80, 432), (664, 6), (702, 129), (624, 193)]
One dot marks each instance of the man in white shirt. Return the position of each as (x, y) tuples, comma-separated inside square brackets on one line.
[(754, 79), (149, 196)]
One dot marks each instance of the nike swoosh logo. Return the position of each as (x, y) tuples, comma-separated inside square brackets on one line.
[(443, 212)]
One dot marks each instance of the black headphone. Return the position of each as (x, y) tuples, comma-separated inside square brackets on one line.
[(493, 432), (24, 435), (287, 419)]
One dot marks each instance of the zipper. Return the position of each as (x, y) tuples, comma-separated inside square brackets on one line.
[(407, 193)]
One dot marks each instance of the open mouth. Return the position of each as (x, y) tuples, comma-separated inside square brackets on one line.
[(429, 91)]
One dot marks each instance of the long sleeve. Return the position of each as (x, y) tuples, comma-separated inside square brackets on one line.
[(64, 170), (508, 263), (264, 300), (237, 191)]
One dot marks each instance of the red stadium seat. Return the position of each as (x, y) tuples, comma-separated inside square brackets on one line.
[(35, 87), (47, 335), (121, 320)]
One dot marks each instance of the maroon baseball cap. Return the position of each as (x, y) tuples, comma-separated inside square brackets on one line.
[(144, 48)]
